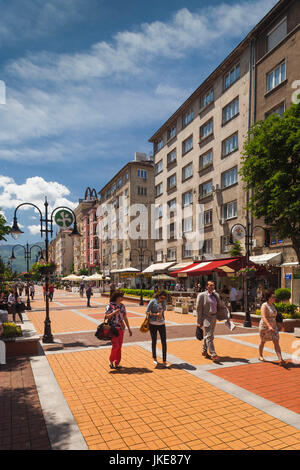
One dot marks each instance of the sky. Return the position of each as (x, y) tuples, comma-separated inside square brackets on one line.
[(88, 82)]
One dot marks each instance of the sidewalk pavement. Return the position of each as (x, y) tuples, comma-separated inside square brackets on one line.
[(68, 398)]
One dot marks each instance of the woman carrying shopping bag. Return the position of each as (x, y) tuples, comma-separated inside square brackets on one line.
[(156, 314)]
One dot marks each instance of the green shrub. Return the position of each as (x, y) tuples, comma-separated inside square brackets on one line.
[(11, 330), (147, 293), (282, 294)]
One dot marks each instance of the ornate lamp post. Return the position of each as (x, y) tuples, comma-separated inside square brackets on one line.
[(46, 222), (247, 232), (27, 254), (141, 255)]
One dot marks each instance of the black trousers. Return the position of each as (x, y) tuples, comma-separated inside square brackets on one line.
[(88, 300), (163, 337)]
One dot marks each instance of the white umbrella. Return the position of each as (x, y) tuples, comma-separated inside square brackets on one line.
[(163, 277), (71, 277)]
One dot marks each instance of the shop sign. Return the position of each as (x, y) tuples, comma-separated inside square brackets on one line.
[(288, 276)]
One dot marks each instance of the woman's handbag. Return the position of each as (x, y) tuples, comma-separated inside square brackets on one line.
[(105, 332), (279, 318), (144, 328)]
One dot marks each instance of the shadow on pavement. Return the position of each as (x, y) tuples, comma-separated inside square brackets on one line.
[(132, 370), (231, 359), (183, 366)]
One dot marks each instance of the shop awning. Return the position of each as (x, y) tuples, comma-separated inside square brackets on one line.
[(266, 258), (291, 264), (179, 266), (157, 267), (204, 267), (125, 270)]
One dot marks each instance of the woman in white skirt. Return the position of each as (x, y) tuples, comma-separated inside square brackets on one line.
[(268, 329)]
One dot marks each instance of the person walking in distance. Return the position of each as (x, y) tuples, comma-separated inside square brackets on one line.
[(32, 290), (117, 318), (208, 305), (89, 293), (233, 297), (51, 292), (156, 309)]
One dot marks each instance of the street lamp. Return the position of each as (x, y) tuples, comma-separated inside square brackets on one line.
[(248, 230), (45, 221), (27, 254), (141, 254)]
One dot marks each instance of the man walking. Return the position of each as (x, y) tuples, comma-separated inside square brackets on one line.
[(208, 305), (89, 293)]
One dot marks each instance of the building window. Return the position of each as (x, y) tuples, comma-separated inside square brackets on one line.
[(172, 206), (171, 231), (205, 160), (158, 145), (205, 189), (171, 182), (276, 76), (187, 145), (278, 110), (206, 99), (142, 174), (187, 198), (230, 145), (187, 172), (142, 191), (206, 130), (187, 224), (187, 118), (171, 132), (187, 251), (158, 189), (230, 210), (207, 218), (225, 247), (231, 110), (277, 34), (126, 176), (232, 76), (126, 192), (229, 177), (113, 188), (207, 246), (159, 256), (159, 212), (171, 254), (159, 167), (119, 184), (171, 157)]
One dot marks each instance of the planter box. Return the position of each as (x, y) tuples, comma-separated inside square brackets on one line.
[(26, 345), (288, 324), (183, 309)]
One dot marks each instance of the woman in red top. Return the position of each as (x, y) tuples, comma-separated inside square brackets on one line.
[(116, 315)]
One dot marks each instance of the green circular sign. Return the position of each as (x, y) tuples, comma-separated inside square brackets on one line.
[(64, 218)]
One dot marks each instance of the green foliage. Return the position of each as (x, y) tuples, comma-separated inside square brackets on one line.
[(283, 294), (271, 170), (147, 293), (4, 229), (237, 249), (83, 272), (11, 330)]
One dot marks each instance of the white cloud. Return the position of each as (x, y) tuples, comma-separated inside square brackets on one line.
[(34, 229), (33, 190), (131, 52)]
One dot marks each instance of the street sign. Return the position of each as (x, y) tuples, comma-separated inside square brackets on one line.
[(238, 232), (64, 218)]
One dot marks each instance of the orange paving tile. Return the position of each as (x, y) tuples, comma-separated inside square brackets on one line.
[(269, 380), (142, 407), (61, 321), (287, 341), (191, 351)]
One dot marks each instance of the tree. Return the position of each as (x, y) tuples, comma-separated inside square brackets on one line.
[(236, 250), (4, 229), (271, 171)]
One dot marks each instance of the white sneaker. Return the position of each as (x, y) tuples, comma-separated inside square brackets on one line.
[(155, 362), (166, 364)]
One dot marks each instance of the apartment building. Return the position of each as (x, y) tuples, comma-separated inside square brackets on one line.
[(197, 151), (86, 255), (133, 185), (61, 252)]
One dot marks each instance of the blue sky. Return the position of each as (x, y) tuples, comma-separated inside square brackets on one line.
[(89, 81)]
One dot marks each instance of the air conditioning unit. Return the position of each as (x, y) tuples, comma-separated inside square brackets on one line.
[(254, 243), (222, 220)]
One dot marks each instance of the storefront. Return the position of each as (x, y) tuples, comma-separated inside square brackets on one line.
[(290, 278)]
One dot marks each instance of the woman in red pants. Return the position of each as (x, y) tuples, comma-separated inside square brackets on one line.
[(116, 315)]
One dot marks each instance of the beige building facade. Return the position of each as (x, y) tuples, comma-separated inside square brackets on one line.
[(127, 198), (198, 150)]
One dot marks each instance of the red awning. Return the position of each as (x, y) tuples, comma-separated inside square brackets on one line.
[(205, 267)]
